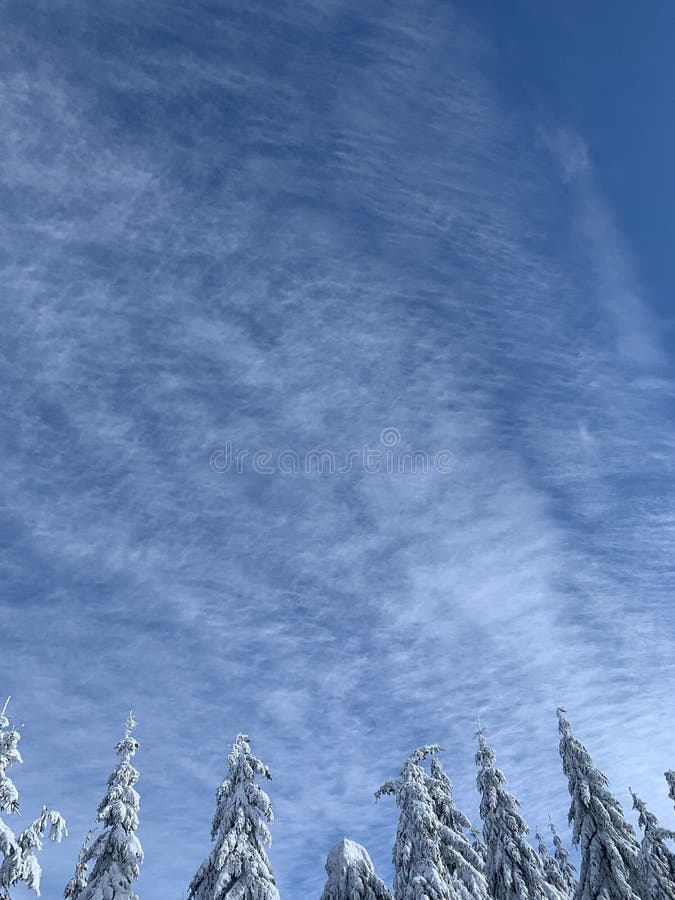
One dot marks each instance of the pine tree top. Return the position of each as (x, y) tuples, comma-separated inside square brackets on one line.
[(420, 870), (648, 821), (577, 761), (586, 781), (411, 770), (565, 867), (609, 847), (656, 861), (238, 866), (119, 807), (9, 755), (513, 869), (485, 755), (440, 789), (116, 853), (491, 781), (463, 860), (670, 778), (351, 874), (552, 873), (128, 745)]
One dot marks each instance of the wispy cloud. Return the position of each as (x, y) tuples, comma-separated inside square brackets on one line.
[(294, 228)]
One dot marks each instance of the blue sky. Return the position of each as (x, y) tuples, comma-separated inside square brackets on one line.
[(291, 226)]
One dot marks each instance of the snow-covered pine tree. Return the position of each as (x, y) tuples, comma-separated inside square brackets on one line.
[(464, 864), (116, 853), (609, 848), (237, 868), (656, 861), (670, 778), (420, 872), (351, 874), (19, 860), (478, 845), (513, 869), (9, 754), (565, 867), (20, 863), (81, 874), (551, 872)]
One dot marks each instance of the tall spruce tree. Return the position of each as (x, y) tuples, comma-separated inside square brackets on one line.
[(19, 854), (609, 848), (565, 867), (116, 853), (237, 867), (420, 872), (464, 863), (656, 861), (351, 874), (513, 868)]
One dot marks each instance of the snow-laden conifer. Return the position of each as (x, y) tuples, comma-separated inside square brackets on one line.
[(351, 874), (478, 845), (513, 869), (464, 863), (116, 853), (81, 874), (609, 848), (237, 867), (552, 873), (670, 778), (19, 854), (20, 863), (9, 754), (420, 871), (656, 861), (565, 867)]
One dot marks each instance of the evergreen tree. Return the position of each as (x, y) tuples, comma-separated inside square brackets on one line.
[(478, 845), (116, 853), (19, 859), (609, 848), (81, 875), (565, 867), (351, 875), (549, 864), (9, 754), (464, 863), (513, 868), (670, 778), (420, 871), (238, 868), (656, 861)]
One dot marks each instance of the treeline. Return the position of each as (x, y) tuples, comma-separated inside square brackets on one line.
[(437, 854)]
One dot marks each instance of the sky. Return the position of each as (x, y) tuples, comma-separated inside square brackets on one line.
[(423, 252)]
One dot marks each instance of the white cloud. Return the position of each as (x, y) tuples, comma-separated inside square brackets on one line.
[(301, 258)]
